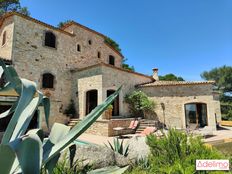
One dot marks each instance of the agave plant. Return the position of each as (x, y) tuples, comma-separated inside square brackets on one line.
[(29, 152), (119, 147)]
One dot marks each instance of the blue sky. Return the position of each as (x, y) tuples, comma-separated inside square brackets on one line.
[(184, 37)]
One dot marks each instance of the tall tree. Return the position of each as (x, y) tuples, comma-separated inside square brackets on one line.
[(116, 46), (223, 78), (170, 77), (12, 5)]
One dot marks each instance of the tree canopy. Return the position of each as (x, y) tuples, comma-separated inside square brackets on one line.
[(222, 76), (112, 43), (116, 46), (12, 5), (170, 77)]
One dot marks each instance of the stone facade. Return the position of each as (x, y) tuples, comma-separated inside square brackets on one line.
[(80, 63), (174, 99), (31, 58)]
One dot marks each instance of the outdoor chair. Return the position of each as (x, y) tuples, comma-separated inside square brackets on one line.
[(126, 130)]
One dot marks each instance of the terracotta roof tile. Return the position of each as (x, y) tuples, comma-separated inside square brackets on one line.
[(175, 83), (55, 28), (5, 16), (111, 66)]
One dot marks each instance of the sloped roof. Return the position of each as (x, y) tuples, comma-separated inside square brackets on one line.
[(175, 83), (113, 67), (9, 14)]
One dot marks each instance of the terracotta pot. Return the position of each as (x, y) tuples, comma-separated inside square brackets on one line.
[(108, 114)]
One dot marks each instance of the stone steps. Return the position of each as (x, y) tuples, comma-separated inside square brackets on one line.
[(73, 122), (146, 123)]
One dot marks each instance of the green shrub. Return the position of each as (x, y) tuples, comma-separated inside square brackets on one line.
[(71, 109), (139, 103), (175, 153)]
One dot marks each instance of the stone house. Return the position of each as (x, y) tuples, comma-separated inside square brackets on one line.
[(75, 63)]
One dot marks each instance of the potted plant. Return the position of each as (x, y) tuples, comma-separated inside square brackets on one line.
[(108, 112)]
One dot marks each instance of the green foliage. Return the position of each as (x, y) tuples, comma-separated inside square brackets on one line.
[(12, 5), (226, 109), (113, 44), (61, 24), (71, 109), (170, 77), (110, 107), (139, 103), (223, 78), (177, 153), (119, 147), (127, 66), (32, 150)]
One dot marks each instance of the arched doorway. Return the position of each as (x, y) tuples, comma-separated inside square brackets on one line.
[(115, 104), (91, 100), (196, 115)]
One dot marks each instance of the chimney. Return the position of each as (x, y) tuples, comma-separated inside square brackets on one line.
[(155, 74)]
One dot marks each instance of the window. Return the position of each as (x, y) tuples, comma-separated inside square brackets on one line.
[(90, 42), (48, 80), (99, 54), (50, 39), (4, 38), (111, 60), (78, 47)]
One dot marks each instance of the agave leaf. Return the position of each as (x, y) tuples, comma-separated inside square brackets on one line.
[(121, 147), (28, 91), (7, 157), (50, 165), (78, 129), (72, 153), (109, 170), (58, 132), (126, 150), (9, 111), (26, 116), (111, 146), (38, 132), (29, 151), (46, 105), (12, 76)]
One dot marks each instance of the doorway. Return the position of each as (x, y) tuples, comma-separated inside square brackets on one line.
[(196, 115), (91, 100), (115, 104)]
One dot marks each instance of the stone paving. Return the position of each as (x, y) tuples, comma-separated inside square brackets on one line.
[(219, 135)]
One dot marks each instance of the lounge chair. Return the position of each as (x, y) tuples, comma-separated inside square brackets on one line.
[(126, 130)]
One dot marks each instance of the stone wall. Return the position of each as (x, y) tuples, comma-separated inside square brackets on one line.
[(100, 127), (89, 52), (114, 78), (105, 127), (31, 58), (175, 98), (103, 78), (6, 49)]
